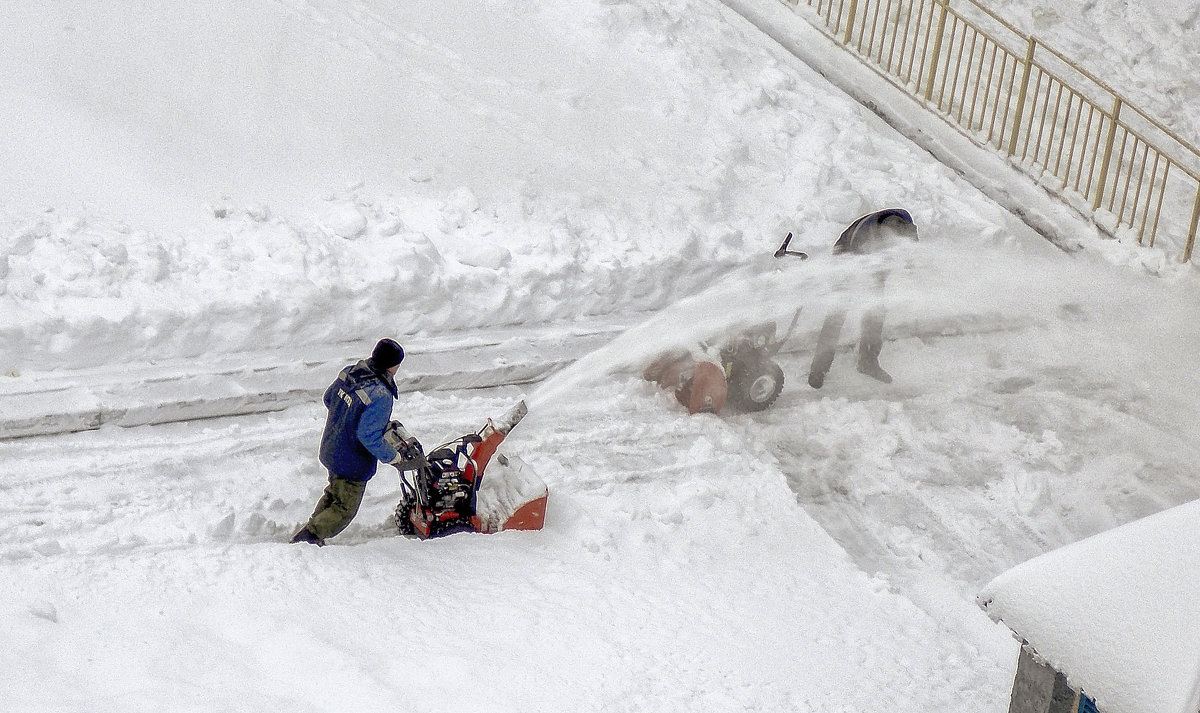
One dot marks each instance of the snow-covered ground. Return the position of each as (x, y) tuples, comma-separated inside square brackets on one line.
[(287, 176)]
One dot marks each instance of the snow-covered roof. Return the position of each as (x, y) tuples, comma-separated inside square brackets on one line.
[(1117, 613)]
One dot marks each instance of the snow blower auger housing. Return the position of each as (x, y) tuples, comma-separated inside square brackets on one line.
[(445, 492), (740, 370)]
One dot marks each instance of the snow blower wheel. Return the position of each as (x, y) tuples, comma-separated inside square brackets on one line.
[(753, 386), (403, 516)]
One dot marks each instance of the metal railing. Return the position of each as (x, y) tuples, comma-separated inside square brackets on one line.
[(1006, 90)]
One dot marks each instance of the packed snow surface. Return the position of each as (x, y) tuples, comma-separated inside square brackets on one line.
[(283, 177)]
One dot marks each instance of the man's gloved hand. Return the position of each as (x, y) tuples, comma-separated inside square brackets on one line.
[(398, 437), (409, 454)]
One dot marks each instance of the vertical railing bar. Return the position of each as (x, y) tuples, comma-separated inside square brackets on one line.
[(1149, 195), (1074, 134), (860, 24), (937, 49), (1162, 192), (1042, 116), (983, 83), (946, 78), (1037, 93), (961, 44), (1191, 236), (850, 19), (1097, 153), (1004, 72), (906, 61), (955, 85), (1068, 136), (904, 38), (882, 27), (1137, 193), (1009, 123), (1012, 78), (1112, 200), (967, 75), (1021, 97), (1133, 150), (987, 89), (1054, 136), (964, 60), (1083, 149), (874, 33), (891, 50), (883, 38), (927, 32)]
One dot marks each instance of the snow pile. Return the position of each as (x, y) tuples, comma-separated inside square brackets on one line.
[(305, 173), (79, 291), (1110, 612), (508, 484)]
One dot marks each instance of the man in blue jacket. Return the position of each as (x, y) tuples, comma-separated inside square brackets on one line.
[(360, 407), (872, 233)]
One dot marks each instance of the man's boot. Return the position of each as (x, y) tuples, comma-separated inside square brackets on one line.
[(871, 368), (870, 343), (306, 535)]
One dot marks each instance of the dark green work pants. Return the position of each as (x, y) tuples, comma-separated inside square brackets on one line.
[(337, 507)]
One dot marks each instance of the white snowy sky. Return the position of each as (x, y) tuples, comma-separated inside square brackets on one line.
[(187, 184)]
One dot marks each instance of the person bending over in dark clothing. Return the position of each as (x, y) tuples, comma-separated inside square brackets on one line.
[(871, 233)]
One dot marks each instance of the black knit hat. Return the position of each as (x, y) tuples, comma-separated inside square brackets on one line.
[(387, 353)]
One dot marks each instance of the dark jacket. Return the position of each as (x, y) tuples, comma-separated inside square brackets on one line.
[(868, 233), (360, 406)]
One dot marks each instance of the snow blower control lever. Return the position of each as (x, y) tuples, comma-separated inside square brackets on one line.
[(784, 251)]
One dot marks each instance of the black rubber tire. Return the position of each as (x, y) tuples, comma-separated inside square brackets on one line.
[(403, 523), (754, 385)]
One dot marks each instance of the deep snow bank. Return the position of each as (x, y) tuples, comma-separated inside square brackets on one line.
[(270, 175)]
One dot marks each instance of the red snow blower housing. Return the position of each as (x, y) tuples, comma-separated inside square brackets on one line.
[(444, 491), (739, 369)]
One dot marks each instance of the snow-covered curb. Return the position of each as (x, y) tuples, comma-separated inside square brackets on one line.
[(45, 403)]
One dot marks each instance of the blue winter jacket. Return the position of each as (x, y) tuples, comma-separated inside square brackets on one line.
[(360, 406)]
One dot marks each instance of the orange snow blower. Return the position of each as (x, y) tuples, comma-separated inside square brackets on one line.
[(444, 491), (738, 369)]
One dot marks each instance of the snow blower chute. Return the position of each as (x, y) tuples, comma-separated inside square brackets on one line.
[(444, 491)]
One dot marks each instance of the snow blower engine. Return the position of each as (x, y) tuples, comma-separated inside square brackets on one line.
[(444, 491)]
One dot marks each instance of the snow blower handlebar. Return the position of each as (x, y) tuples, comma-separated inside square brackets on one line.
[(784, 251), (409, 454)]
